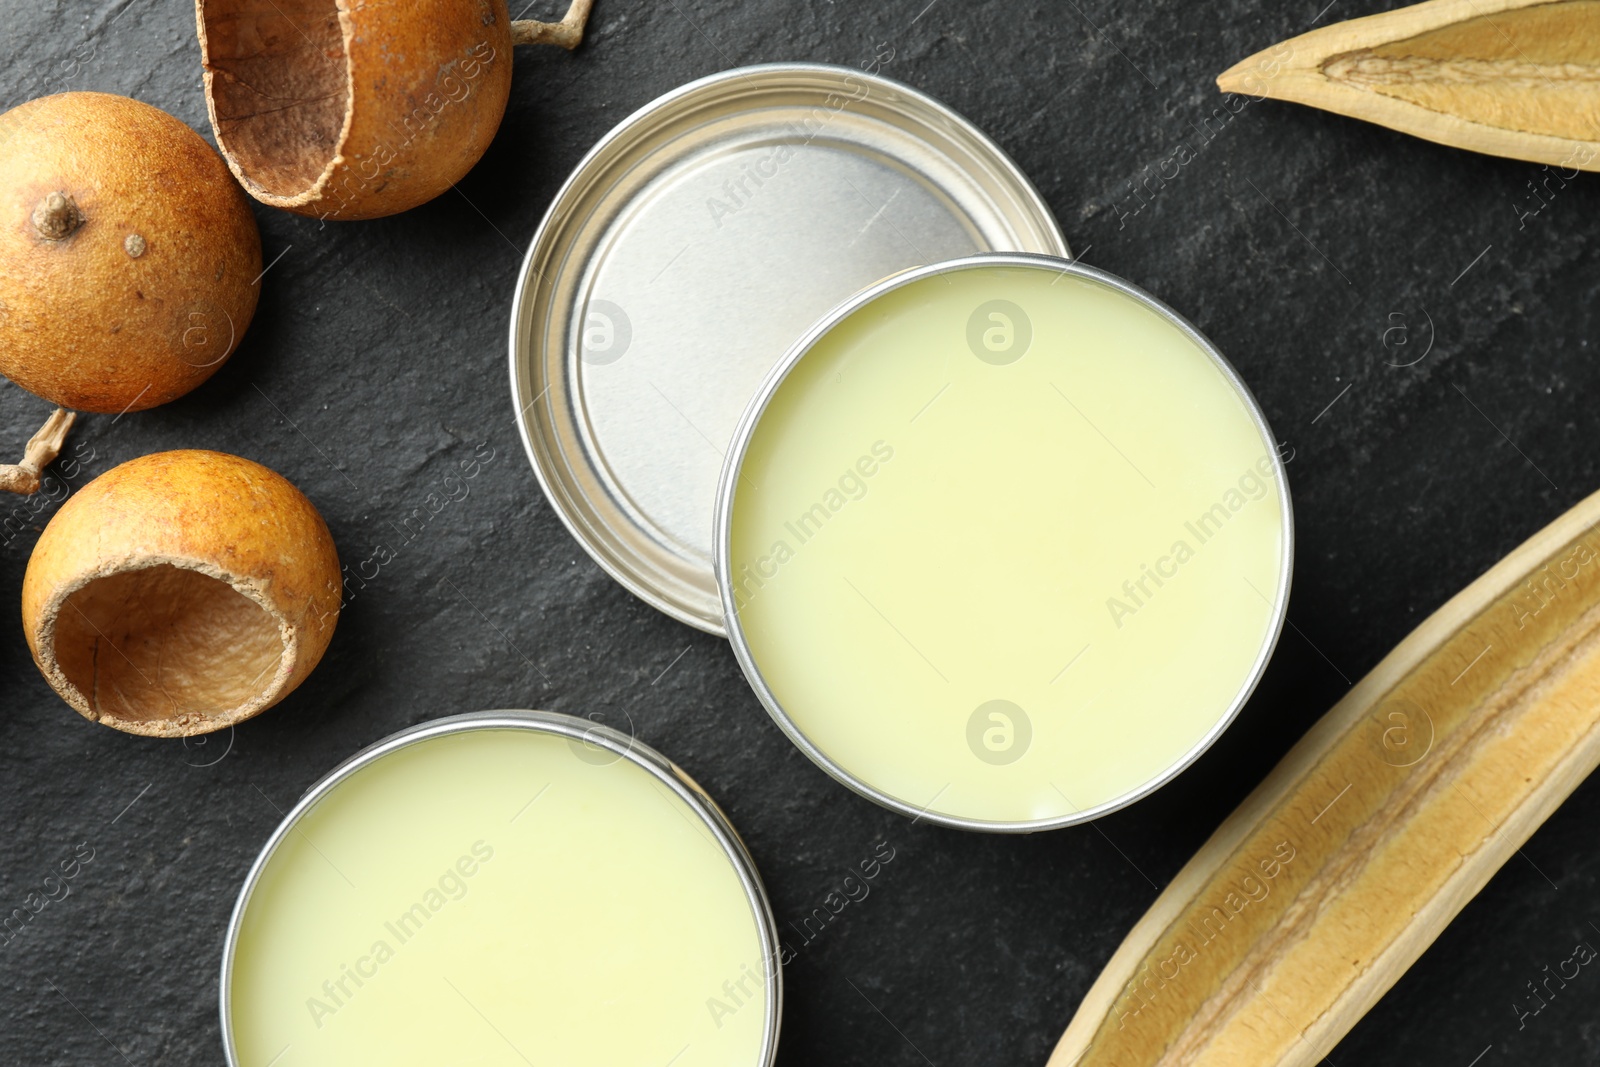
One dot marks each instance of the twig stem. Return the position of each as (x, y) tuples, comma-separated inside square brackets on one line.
[(43, 448), (568, 33)]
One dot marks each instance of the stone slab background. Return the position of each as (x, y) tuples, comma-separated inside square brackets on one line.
[(1295, 239)]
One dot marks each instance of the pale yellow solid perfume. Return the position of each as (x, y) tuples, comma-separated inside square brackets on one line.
[(502, 895), (1006, 544)]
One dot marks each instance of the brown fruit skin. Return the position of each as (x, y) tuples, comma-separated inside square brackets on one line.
[(85, 324), (208, 511), (428, 83)]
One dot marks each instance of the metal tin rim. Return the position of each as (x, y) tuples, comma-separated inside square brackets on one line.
[(544, 467), (572, 728), (723, 531)]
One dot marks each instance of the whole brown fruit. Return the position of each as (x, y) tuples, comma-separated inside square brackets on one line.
[(357, 110), (128, 256)]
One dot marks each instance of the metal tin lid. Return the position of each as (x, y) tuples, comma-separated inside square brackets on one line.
[(685, 254), (1003, 543), (541, 894)]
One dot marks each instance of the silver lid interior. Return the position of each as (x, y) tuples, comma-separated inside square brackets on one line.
[(685, 255)]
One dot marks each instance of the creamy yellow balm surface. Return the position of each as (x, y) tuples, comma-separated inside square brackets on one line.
[(499, 897), (1007, 545)]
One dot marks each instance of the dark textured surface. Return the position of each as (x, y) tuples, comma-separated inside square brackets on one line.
[(376, 364)]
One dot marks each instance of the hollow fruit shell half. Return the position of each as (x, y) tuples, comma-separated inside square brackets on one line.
[(354, 111), (181, 593)]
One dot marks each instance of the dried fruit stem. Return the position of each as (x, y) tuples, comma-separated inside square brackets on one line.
[(57, 217), (568, 33), (43, 448)]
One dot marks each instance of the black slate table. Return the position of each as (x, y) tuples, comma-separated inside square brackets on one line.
[(1320, 253)]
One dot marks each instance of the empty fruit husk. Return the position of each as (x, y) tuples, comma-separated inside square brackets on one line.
[(355, 111), (181, 593)]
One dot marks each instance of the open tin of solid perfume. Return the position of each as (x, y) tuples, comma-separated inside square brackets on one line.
[(507, 886), (1000, 540), (685, 254), (1003, 543)]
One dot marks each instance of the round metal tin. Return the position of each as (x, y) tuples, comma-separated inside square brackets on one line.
[(592, 743), (734, 477), (685, 254)]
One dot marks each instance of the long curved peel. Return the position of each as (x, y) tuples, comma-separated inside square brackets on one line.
[(1516, 78), (1373, 832)]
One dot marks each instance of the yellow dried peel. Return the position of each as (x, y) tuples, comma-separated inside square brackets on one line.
[(1516, 78)]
